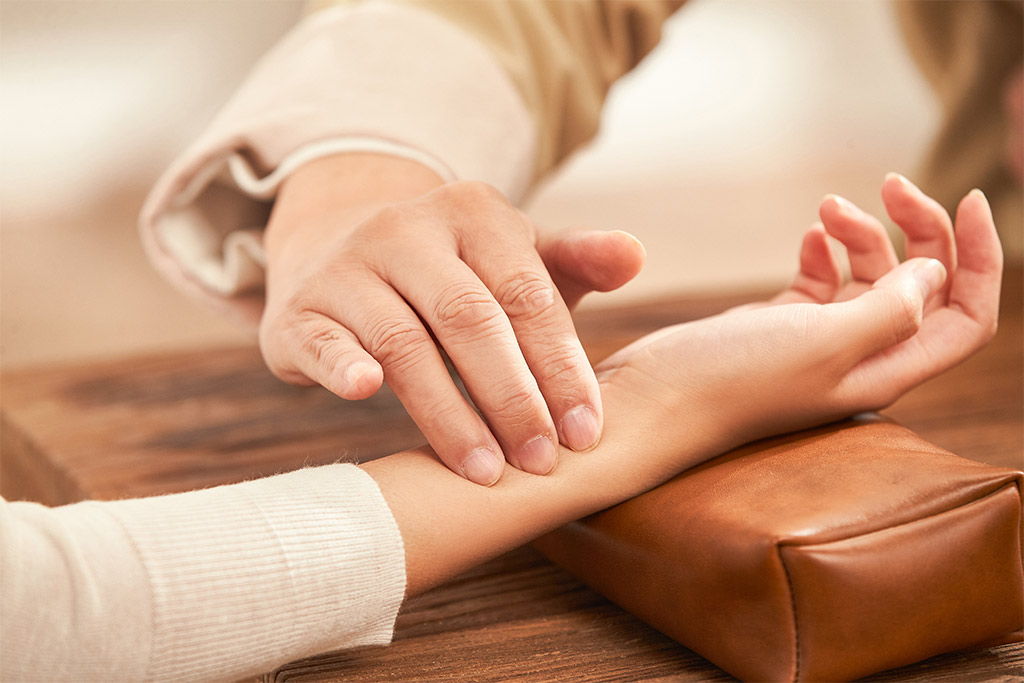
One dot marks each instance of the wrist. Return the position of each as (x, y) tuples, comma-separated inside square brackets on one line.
[(449, 524), (660, 432)]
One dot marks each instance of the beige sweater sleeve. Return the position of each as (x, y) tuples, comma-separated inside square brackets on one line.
[(563, 56), (499, 91), (207, 585), (374, 76)]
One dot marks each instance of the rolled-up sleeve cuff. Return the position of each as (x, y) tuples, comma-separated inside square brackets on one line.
[(371, 77)]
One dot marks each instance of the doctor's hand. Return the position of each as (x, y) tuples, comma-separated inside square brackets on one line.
[(373, 265)]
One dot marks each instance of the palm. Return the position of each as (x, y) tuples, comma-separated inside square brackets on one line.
[(956, 321), (823, 349)]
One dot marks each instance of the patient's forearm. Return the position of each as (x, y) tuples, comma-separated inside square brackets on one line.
[(449, 524)]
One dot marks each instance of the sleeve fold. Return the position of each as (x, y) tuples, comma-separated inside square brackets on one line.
[(368, 77)]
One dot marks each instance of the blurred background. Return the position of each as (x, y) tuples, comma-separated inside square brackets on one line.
[(715, 152)]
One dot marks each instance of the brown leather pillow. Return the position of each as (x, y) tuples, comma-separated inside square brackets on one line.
[(826, 555)]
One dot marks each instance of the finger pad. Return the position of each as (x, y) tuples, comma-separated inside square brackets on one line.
[(977, 240), (611, 260)]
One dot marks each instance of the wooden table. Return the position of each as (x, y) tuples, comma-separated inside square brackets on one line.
[(178, 421)]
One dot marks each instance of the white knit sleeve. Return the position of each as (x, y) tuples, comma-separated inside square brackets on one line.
[(372, 76), (207, 585)]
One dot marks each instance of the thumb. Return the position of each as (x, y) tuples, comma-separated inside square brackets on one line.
[(584, 261), (892, 310)]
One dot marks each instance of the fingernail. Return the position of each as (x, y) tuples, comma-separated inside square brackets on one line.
[(483, 466), (841, 203), (538, 456), (580, 429), (899, 178), (636, 240), (930, 273), (904, 183), (978, 193)]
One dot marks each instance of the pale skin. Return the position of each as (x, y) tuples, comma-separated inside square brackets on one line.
[(820, 350)]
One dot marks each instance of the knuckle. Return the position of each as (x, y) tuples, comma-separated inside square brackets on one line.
[(323, 344), (525, 295), (475, 191), (463, 310), (494, 214), (433, 414), (561, 366), (304, 346), (475, 198), (397, 342), (512, 403), (387, 225)]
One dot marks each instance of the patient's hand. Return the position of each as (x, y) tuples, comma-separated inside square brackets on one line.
[(821, 350)]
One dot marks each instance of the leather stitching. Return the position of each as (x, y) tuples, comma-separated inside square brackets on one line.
[(792, 608)]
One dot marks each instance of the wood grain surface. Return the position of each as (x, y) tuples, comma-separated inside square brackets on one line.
[(179, 421)]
